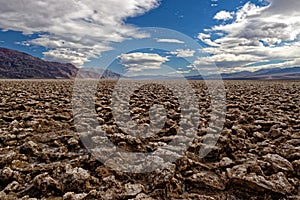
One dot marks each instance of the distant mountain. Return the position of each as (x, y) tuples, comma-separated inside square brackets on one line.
[(95, 73), (18, 65), (152, 77), (263, 74), (266, 74)]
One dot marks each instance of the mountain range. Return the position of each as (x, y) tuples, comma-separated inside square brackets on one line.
[(266, 74), (18, 65), (262, 74)]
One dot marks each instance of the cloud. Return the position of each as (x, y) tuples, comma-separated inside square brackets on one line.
[(184, 72), (170, 41), (224, 15), (258, 34), (205, 38), (180, 72), (73, 26), (142, 61), (23, 43), (183, 53), (66, 55)]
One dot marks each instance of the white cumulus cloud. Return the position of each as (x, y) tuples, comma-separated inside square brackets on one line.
[(74, 27), (258, 34), (166, 40), (183, 53), (180, 72), (224, 15), (139, 61)]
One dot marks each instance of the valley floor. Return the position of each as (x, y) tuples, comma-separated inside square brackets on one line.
[(44, 155)]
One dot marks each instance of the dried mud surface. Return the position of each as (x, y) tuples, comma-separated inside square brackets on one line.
[(256, 157)]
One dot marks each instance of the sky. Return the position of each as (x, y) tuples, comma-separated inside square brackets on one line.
[(231, 36)]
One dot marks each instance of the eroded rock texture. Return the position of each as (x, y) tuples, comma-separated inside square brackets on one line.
[(43, 157)]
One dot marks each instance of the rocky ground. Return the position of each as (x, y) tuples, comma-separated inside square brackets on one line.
[(257, 155)]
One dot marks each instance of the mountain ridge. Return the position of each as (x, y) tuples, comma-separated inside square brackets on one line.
[(292, 73), (19, 65)]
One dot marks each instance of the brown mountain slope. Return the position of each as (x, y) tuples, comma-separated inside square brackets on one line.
[(17, 65)]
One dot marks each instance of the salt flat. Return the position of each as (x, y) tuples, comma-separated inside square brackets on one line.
[(256, 156)]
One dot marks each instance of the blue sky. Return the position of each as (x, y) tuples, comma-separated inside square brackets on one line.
[(234, 35), (189, 17)]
